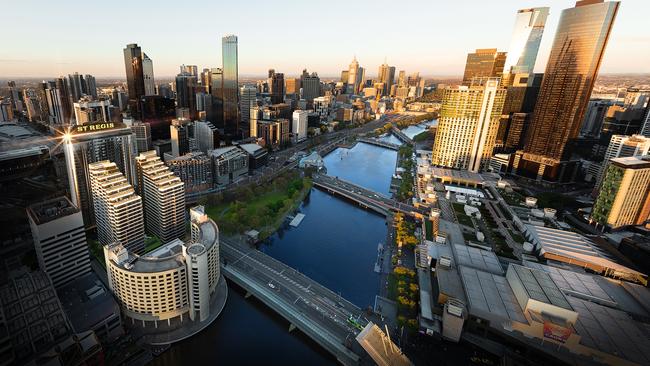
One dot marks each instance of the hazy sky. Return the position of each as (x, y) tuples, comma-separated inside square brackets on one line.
[(55, 37)]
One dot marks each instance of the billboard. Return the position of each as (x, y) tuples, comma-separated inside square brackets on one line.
[(556, 332)]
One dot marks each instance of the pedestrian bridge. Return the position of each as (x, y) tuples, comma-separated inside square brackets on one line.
[(365, 197), (379, 143)]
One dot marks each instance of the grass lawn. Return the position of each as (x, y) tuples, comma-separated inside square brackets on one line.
[(428, 225), (460, 214), (263, 211), (392, 286), (512, 198), (151, 243), (97, 251)]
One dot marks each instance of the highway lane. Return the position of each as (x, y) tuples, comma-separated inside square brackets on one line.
[(312, 299)]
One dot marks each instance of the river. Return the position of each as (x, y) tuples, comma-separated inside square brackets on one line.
[(336, 245)]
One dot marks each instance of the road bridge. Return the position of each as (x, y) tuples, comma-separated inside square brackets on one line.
[(307, 305)]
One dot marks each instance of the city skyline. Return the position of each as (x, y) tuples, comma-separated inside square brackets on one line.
[(427, 49)]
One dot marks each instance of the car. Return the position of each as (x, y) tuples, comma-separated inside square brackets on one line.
[(271, 285)]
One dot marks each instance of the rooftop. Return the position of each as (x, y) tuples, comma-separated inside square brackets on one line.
[(49, 210), (575, 249), (632, 162), (539, 286), (479, 259), (87, 302), (490, 295)]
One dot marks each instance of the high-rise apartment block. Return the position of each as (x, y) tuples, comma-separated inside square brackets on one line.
[(164, 198), (194, 169), (569, 78), (299, 124), (468, 123), (60, 239), (621, 146), (177, 281), (118, 210), (624, 197)]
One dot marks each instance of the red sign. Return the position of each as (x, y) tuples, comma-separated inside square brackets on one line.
[(556, 332)]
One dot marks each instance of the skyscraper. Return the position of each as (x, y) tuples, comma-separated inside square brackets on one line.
[(164, 198), (206, 80), (147, 74), (76, 82), (292, 86), (92, 143), (522, 90), (624, 197), (310, 86), (485, 62), (467, 128), (134, 75), (569, 78), (118, 210), (91, 86), (526, 38), (354, 79), (386, 75), (277, 87), (247, 99), (230, 85), (186, 86), (65, 99), (51, 97), (190, 69)]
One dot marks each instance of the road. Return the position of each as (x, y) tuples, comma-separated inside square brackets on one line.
[(279, 161), (300, 292)]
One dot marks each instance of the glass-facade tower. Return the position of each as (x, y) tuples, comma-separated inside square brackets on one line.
[(230, 87), (526, 38), (569, 78)]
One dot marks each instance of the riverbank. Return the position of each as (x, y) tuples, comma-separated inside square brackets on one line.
[(262, 208)]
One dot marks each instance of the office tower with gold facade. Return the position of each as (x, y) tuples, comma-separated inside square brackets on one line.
[(569, 78), (485, 62)]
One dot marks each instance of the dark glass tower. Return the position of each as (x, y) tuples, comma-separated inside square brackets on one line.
[(134, 75), (230, 85), (569, 78)]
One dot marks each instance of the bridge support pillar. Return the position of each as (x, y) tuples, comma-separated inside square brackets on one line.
[(291, 327)]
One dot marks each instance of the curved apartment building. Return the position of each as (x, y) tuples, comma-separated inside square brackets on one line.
[(173, 282)]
